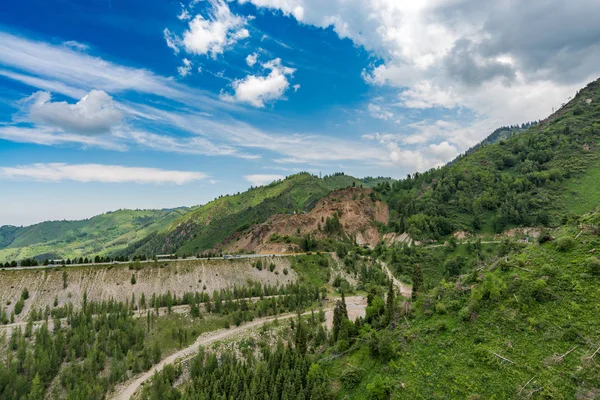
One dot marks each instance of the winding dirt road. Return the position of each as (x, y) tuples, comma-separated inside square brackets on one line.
[(405, 290), (127, 390)]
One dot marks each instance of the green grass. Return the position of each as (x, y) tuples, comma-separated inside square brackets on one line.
[(100, 235), (312, 269), (548, 304), (167, 330), (583, 192)]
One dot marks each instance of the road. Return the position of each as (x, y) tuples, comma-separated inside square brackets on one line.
[(405, 290), (126, 391), (232, 257)]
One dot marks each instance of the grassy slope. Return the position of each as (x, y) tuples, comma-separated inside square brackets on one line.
[(101, 234), (532, 314), (207, 226), (528, 179)]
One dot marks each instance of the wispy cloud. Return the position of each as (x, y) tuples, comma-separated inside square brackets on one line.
[(58, 172), (50, 137)]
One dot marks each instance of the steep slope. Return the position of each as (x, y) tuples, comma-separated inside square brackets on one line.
[(524, 180), (101, 234), (208, 226), (522, 327), (351, 213)]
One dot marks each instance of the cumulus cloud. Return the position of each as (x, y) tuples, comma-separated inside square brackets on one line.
[(95, 113), (185, 69), (210, 34), (258, 90), (251, 59), (58, 172), (506, 61), (262, 179)]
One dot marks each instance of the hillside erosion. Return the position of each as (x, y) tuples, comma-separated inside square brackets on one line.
[(104, 283), (356, 208)]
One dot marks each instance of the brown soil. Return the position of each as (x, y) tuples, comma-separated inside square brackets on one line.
[(104, 283), (357, 213)]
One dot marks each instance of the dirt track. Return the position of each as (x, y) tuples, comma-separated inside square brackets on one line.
[(405, 290), (129, 389)]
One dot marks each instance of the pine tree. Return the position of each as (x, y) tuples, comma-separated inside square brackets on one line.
[(390, 305)]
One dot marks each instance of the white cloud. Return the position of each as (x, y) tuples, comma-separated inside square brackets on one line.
[(58, 172), (257, 90), (185, 69), (173, 42), (443, 150), (379, 112), (262, 179), (73, 73), (251, 59), (213, 34), (49, 137), (184, 15), (296, 87), (498, 59), (76, 45), (94, 113)]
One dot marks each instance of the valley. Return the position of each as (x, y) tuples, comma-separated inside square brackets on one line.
[(477, 279)]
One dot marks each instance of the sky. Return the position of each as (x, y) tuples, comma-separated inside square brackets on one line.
[(113, 104)]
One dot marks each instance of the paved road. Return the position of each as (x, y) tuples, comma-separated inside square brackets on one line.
[(232, 257)]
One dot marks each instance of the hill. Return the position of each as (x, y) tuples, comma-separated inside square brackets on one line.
[(210, 225), (542, 177), (100, 235), (350, 215)]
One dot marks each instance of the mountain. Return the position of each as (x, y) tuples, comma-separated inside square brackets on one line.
[(208, 226), (182, 230), (351, 215), (100, 235), (539, 177)]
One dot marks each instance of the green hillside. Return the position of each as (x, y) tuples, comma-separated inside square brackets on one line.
[(209, 225), (100, 235), (536, 178), (531, 316)]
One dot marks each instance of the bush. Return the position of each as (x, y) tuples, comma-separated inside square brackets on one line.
[(380, 388), (352, 376), (440, 308), (592, 265), (565, 244), (133, 280)]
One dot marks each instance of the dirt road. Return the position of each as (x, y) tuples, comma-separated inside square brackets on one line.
[(127, 390), (405, 290)]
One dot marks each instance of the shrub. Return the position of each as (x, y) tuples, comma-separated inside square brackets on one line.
[(380, 388), (352, 376), (271, 267), (592, 265), (133, 280), (440, 308), (565, 244), (285, 271)]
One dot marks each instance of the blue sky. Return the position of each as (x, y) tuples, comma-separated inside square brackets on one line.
[(130, 104)]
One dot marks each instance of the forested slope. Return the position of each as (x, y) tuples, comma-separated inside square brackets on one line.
[(526, 179), (99, 235)]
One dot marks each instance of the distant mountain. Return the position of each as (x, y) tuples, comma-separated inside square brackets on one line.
[(100, 235)]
